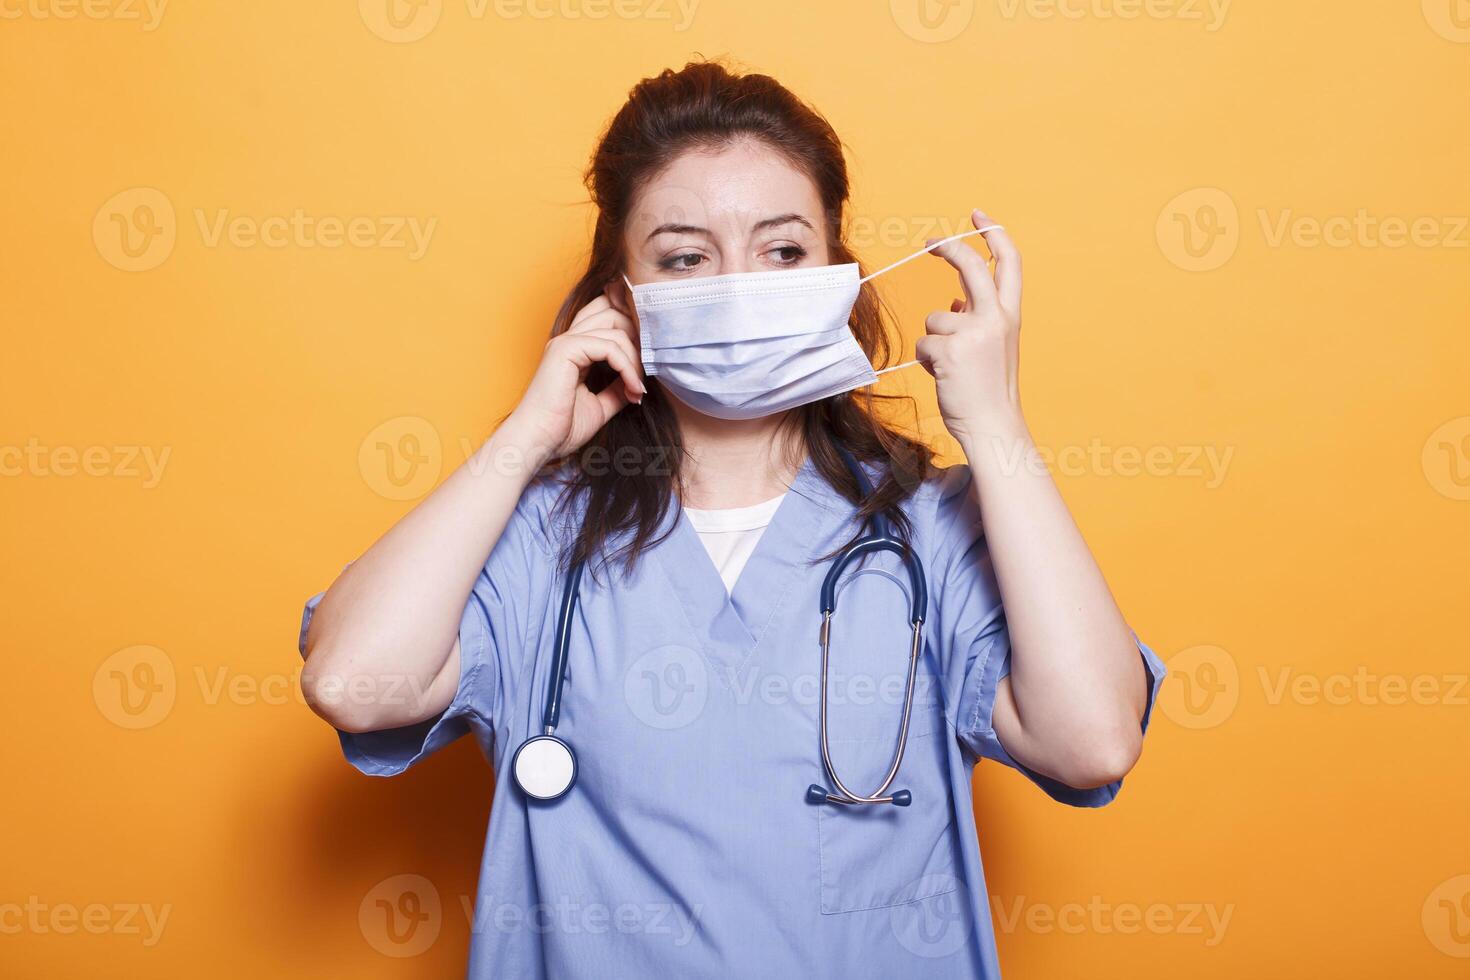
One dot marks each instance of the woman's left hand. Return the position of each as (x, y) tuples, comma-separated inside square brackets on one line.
[(973, 349)]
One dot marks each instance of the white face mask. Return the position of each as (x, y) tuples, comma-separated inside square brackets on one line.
[(751, 344)]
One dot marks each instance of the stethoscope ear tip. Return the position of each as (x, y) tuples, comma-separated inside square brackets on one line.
[(817, 795)]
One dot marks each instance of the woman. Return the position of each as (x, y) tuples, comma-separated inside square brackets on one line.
[(712, 446)]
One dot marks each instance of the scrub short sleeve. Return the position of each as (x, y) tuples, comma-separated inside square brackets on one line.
[(970, 627), (492, 628)]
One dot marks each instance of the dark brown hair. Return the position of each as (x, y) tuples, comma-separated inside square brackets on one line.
[(707, 106)]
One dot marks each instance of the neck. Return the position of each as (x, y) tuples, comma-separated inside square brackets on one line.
[(736, 463)]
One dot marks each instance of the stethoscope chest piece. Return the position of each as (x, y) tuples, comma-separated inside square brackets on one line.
[(544, 767)]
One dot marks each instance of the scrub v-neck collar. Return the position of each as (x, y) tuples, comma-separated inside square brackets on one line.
[(731, 624)]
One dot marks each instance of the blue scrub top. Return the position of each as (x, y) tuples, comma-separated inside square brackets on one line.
[(686, 847)]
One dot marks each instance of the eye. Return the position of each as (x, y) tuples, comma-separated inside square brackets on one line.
[(784, 255), (683, 262)]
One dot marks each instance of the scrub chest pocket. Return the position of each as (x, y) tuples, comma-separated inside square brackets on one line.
[(876, 857)]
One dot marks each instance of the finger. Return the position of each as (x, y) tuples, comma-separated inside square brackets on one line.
[(592, 309), (940, 324), (611, 330), (605, 318), (1007, 262), (583, 351), (926, 350), (957, 306), (610, 401), (974, 276), (624, 343)]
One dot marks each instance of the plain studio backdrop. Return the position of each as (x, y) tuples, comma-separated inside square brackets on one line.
[(270, 270)]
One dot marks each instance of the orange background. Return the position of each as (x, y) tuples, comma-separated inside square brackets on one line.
[(1330, 550)]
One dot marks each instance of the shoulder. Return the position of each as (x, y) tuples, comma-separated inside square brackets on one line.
[(548, 513), (946, 515), (943, 494)]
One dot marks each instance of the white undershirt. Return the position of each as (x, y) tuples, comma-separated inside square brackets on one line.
[(730, 535)]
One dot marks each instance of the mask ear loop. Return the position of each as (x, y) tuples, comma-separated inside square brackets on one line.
[(922, 251)]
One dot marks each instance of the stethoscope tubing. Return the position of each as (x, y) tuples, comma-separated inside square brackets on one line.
[(882, 539), (844, 795), (570, 592)]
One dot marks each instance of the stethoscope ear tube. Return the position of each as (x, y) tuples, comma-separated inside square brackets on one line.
[(865, 546)]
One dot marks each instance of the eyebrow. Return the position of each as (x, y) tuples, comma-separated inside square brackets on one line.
[(776, 222)]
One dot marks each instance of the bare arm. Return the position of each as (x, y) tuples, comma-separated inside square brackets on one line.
[(1072, 706), (383, 648)]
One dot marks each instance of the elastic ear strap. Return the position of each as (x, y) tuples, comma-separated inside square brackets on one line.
[(628, 281), (897, 367), (930, 248)]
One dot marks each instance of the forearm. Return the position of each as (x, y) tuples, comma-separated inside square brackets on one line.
[(1076, 690), (384, 632)]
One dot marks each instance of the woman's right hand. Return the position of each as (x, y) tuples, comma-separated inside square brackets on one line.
[(558, 412)]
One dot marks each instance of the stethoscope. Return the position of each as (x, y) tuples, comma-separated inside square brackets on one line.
[(545, 767)]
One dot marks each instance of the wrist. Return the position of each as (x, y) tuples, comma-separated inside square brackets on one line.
[(514, 452), (1000, 444)]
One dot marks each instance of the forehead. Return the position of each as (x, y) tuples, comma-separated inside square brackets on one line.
[(726, 190)]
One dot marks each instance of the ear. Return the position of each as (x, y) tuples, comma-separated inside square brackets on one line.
[(616, 292)]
